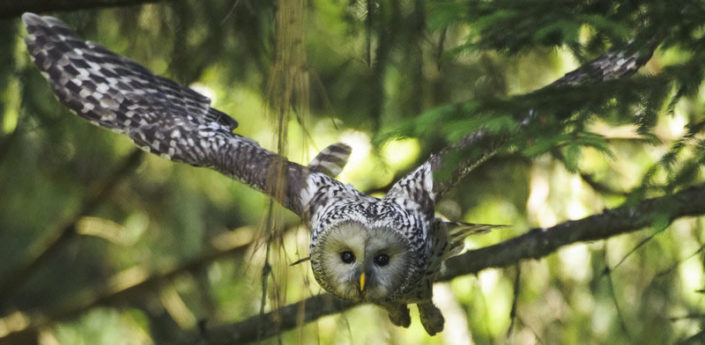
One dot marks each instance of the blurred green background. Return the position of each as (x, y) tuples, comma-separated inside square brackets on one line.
[(397, 80)]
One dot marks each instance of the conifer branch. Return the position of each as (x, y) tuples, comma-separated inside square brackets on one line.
[(481, 145)]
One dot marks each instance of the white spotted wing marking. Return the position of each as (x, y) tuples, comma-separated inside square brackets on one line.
[(159, 115)]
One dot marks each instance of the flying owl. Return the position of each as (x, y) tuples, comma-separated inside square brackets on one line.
[(385, 251)]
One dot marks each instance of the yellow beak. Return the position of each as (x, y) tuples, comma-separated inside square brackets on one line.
[(362, 282)]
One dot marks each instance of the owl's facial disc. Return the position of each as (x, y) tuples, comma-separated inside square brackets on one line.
[(359, 263)]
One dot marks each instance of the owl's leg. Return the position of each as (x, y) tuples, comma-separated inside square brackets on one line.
[(398, 314), (431, 317)]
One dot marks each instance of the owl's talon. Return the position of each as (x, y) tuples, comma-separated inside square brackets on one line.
[(399, 315), (431, 318)]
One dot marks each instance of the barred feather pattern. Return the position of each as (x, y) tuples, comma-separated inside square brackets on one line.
[(412, 219), (159, 115), (331, 160)]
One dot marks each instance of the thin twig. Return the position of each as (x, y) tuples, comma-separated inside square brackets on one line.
[(515, 301), (537, 243), (641, 243), (698, 316), (533, 331), (674, 266), (480, 145), (589, 179), (613, 296)]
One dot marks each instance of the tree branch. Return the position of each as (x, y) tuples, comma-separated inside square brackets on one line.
[(61, 237), (9, 9), (540, 242), (534, 244), (263, 326), (110, 295)]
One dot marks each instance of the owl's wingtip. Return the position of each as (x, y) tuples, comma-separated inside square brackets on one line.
[(29, 18)]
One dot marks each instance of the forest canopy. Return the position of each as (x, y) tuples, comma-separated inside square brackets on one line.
[(577, 124)]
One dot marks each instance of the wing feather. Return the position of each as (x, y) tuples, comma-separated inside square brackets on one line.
[(160, 115)]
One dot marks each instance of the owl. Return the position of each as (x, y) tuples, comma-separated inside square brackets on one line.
[(386, 251)]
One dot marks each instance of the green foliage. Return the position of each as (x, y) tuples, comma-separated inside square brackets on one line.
[(430, 71)]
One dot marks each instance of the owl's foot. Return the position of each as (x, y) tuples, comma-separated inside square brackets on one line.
[(431, 317), (398, 314)]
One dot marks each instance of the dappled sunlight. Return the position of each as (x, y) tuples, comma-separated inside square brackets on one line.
[(488, 280), (602, 318), (676, 124), (46, 337), (360, 143), (121, 234), (456, 320), (105, 326), (128, 278), (573, 259), (537, 203), (575, 209), (690, 273), (231, 239), (497, 293), (205, 90), (10, 109), (362, 162), (175, 306), (398, 154), (12, 322), (530, 73)]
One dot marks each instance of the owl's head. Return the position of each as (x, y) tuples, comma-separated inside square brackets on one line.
[(358, 262), (370, 249)]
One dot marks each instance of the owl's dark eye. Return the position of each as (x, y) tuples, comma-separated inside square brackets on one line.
[(347, 256), (381, 260)]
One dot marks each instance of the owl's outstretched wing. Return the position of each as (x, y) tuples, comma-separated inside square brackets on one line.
[(161, 116)]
